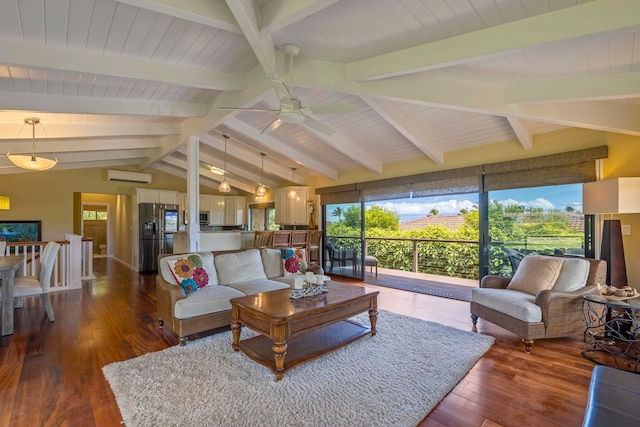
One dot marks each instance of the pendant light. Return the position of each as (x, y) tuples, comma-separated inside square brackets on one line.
[(31, 161), (224, 185), (292, 193), (261, 191)]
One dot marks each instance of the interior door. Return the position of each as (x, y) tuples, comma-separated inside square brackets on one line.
[(344, 240)]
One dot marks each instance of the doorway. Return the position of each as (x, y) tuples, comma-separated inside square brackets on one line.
[(95, 225)]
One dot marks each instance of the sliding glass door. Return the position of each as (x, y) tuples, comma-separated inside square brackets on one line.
[(344, 239), (546, 220)]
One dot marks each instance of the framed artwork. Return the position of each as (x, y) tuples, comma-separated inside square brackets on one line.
[(21, 231)]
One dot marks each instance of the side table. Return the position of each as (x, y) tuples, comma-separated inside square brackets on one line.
[(612, 331)]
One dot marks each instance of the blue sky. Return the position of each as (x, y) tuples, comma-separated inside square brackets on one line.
[(547, 198)]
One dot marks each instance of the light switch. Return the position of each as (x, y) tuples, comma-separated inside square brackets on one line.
[(626, 230)]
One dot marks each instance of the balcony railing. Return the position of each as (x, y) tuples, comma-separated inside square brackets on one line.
[(73, 264), (456, 258), (453, 258)]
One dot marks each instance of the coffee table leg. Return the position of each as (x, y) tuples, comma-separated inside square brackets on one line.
[(235, 331), (279, 352), (373, 318)]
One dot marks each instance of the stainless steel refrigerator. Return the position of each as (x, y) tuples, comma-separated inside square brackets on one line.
[(158, 222)]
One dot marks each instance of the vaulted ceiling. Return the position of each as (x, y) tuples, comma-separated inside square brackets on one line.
[(122, 83)]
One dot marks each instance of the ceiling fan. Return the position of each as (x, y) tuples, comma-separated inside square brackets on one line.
[(291, 109)]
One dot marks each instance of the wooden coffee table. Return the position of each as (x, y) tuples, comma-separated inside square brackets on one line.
[(301, 329)]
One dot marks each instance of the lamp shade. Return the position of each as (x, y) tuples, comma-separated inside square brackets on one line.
[(611, 196)]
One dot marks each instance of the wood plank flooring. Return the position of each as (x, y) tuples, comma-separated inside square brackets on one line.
[(51, 373)]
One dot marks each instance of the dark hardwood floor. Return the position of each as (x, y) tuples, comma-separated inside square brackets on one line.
[(51, 373)]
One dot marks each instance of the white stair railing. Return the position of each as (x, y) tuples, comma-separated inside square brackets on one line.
[(73, 265)]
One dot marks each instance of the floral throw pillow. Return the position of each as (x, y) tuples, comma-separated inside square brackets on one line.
[(189, 273), (294, 261)]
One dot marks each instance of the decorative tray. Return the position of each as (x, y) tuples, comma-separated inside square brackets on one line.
[(603, 289), (615, 298)]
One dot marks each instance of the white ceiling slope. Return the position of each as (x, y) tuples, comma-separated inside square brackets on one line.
[(124, 83)]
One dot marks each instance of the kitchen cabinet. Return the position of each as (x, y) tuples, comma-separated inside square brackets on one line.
[(234, 210), (217, 209), (166, 197), (291, 211)]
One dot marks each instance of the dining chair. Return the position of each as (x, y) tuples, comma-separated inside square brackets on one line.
[(281, 239), (39, 285), (262, 239), (299, 239), (315, 237)]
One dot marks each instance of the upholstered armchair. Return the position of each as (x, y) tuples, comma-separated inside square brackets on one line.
[(542, 300)]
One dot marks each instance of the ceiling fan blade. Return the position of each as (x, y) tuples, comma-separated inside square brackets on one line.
[(281, 89), (329, 109), (258, 110), (317, 126), (273, 126)]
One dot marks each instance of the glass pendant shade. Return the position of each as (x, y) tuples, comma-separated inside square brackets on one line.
[(224, 186), (292, 192), (31, 161), (261, 191)]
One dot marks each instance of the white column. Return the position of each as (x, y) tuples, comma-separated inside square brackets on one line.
[(75, 261), (193, 192)]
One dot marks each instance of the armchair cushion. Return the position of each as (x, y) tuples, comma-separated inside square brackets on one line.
[(573, 275), (536, 273), (517, 304)]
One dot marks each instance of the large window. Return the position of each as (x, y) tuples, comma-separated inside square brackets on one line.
[(546, 220)]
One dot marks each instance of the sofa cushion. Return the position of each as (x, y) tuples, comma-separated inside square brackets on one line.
[(536, 273), (239, 267), (207, 264), (573, 275), (209, 299), (272, 262), (256, 286), (520, 305), (189, 273), (294, 261)]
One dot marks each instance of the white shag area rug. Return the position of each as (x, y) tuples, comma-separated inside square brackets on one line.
[(394, 378)]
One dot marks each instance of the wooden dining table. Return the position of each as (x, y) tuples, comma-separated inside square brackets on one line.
[(9, 266)]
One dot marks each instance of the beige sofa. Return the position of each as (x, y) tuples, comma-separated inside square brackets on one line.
[(542, 300), (231, 274)]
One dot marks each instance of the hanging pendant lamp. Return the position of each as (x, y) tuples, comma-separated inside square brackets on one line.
[(224, 185), (31, 161), (261, 191), (292, 193)]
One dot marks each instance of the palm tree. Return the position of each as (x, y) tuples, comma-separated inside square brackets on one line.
[(338, 212)]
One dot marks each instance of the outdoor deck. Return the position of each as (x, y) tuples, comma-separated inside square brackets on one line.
[(430, 284)]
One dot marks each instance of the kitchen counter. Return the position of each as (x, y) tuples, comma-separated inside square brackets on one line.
[(209, 241)]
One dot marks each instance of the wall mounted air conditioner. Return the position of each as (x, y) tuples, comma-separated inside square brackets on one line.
[(128, 176)]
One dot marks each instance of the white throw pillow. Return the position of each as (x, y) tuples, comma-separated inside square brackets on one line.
[(207, 261), (272, 262), (573, 275), (536, 273), (239, 267)]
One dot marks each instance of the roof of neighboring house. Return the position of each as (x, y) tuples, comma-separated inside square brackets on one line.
[(452, 222)]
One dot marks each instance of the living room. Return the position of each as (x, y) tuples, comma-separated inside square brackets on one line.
[(438, 86)]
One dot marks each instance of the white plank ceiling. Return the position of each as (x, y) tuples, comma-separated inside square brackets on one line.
[(126, 82)]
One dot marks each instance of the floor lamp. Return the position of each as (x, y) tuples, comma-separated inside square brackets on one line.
[(612, 196)]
